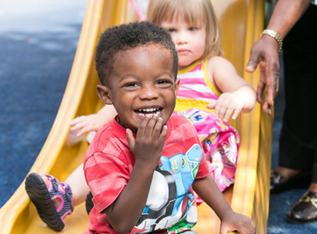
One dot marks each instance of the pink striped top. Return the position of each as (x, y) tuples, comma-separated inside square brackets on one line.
[(195, 89)]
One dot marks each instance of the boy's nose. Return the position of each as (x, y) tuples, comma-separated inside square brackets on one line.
[(148, 93)]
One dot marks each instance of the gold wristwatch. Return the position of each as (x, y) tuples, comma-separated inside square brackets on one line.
[(276, 36)]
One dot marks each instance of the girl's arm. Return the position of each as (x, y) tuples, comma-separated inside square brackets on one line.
[(207, 190), (237, 95), (87, 123)]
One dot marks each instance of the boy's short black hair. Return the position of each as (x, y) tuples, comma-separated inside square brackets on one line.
[(129, 36)]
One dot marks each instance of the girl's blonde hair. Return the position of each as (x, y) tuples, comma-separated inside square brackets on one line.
[(194, 12)]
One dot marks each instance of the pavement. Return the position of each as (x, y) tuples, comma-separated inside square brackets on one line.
[(38, 41)]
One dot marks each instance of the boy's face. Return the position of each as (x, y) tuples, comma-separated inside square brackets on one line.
[(141, 84), (190, 40)]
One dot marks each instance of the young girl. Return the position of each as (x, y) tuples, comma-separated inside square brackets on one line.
[(208, 83)]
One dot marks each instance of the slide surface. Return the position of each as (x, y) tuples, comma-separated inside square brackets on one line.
[(242, 23)]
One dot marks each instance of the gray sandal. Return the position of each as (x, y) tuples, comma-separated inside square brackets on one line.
[(42, 197)]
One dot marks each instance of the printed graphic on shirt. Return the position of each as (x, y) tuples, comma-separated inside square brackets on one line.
[(170, 202)]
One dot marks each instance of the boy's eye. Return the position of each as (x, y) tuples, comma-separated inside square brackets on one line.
[(164, 82), (131, 85)]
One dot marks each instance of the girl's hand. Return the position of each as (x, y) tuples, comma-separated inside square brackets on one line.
[(237, 222), (87, 123), (147, 147), (227, 104)]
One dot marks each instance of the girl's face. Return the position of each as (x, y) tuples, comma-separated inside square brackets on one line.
[(189, 40), (142, 84)]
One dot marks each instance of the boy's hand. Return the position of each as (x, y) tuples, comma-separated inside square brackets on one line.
[(237, 222), (148, 145), (227, 104)]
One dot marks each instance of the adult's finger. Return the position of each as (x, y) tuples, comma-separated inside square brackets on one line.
[(267, 108), (259, 91), (255, 58), (272, 81)]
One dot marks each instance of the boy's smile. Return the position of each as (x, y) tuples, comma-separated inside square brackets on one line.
[(142, 84)]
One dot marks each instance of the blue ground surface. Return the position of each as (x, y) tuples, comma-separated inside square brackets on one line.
[(38, 41)]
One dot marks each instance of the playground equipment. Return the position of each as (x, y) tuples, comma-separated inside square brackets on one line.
[(241, 22)]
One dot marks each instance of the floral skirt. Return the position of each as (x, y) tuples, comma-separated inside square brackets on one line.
[(220, 143)]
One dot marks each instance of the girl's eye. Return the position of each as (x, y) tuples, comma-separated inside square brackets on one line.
[(192, 28), (171, 30)]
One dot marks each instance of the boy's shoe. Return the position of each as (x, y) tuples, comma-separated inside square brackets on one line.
[(89, 202), (42, 198)]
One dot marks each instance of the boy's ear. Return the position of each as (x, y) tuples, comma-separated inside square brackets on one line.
[(104, 95), (177, 82)]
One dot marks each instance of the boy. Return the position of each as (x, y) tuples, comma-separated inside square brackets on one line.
[(142, 167)]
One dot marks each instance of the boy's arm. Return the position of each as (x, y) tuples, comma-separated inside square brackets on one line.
[(147, 148), (124, 213), (207, 190), (237, 95)]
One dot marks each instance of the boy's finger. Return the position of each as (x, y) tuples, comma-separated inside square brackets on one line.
[(130, 138), (164, 132), (158, 127), (163, 135), (142, 128), (150, 128)]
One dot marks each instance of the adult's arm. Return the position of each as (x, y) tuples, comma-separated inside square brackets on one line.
[(265, 51)]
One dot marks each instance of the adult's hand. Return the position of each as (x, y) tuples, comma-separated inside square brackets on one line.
[(265, 53)]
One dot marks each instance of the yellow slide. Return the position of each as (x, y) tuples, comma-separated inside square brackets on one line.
[(242, 23)]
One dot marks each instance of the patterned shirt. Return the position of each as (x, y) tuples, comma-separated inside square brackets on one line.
[(171, 204)]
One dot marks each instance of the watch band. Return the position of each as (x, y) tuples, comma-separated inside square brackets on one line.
[(276, 36)]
